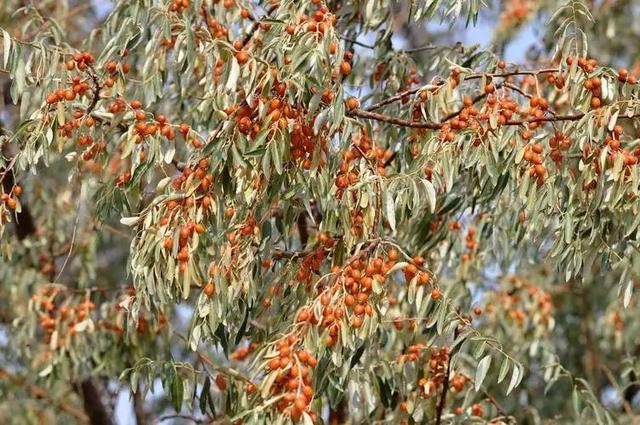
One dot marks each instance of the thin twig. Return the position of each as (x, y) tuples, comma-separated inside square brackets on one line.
[(356, 42), (475, 100), (401, 96), (478, 75), (73, 240), (492, 399)]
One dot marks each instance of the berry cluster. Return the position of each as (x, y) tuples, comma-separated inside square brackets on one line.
[(294, 368)]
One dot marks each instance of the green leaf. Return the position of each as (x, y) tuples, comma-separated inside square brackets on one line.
[(431, 195), (481, 371), (6, 39), (516, 376), (177, 392), (504, 368), (204, 394), (129, 221), (390, 209), (233, 75)]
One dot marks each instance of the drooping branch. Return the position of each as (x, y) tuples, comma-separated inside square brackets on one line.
[(479, 75)]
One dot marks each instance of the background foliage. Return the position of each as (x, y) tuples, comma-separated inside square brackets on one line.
[(319, 211)]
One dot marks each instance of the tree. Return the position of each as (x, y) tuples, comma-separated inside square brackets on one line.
[(270, 212)]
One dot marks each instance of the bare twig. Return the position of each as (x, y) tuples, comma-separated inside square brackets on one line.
[(356, 42)]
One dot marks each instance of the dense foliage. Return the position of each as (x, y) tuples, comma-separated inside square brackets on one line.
[(244, 211)]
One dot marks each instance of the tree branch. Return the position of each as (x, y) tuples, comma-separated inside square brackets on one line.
[(96, 89), (92, 402), (396, 121), (436, 126), (473, 76)]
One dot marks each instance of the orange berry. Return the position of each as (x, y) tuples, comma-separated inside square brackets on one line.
[(209, 289), (242, 57), (352, 103), (345, 68), (221, 382), (356, 322)]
